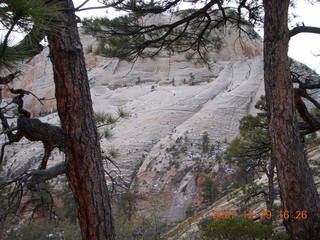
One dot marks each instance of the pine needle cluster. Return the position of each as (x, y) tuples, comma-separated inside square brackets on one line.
[(32, 18)]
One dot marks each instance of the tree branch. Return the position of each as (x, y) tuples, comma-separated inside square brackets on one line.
[(9, 78), (313, 124), (35, 176), (42, 175), (304, 29)]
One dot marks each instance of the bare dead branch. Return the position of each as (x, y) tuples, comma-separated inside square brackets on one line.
[(9, 78)]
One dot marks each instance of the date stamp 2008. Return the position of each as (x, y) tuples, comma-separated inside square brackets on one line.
[(262, 214)]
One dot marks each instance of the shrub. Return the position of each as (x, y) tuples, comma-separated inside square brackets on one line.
[(42, 230), (210, 192), (104, 118), (205, 142), (190, 211), (100, 117), (235, 228)]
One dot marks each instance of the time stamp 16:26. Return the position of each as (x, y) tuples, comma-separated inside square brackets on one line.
[(262, 214)]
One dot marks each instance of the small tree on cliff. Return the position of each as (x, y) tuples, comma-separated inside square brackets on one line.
[(251, 152), (129, 38)]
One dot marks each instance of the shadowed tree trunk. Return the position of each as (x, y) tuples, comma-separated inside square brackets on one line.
[(84, 167), (270, 196), (297, 188)]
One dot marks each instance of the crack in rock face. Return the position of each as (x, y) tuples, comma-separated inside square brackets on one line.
[(172, 103)]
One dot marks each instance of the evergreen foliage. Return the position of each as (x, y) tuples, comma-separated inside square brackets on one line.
[(235, 228), (130, 36), (122, 113), (190, 211), (205, 142), (106, 119), (210, 192), (252, 147), (114, 153), (279, 90), (107, 133), (44, 230), (251, 153), (32, 17)]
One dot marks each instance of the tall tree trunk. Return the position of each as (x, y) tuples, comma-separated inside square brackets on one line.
[(297, 188), (269, 197), (84, 166)]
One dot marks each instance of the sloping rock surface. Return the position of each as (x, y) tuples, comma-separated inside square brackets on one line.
[(189, 228), (172, 103)]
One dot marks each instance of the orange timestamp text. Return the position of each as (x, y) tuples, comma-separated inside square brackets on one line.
[(261, 214)]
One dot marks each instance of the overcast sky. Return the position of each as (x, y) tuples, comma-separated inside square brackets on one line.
[(304, 46)]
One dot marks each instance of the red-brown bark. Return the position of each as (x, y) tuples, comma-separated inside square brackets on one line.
[(84, 167), (297, 188)]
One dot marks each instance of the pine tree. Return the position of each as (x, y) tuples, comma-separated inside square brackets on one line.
[(189, 32), (251, 153), (33, 18), (79, 138)]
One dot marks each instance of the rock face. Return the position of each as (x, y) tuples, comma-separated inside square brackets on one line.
[(189, 228), (174, 164), (173, 103), (114, 74)]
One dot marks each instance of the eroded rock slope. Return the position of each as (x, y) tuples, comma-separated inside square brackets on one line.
[(172, 103)]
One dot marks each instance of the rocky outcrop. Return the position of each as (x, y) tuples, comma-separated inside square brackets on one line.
[(172, 103), (181, 113), (176, 162), (190, 227), (113, 73)]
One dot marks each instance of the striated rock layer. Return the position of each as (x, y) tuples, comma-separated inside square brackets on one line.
[(172, 103)]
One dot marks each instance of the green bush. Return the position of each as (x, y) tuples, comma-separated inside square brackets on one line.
[(104, 118), (41, 230), (205, 142), (210, 192), (237, 228), (190, 211)]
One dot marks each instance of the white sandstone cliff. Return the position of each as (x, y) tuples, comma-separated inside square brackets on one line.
[(171, 102)]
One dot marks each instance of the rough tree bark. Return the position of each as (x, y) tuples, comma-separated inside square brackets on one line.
[(297, 189), (84, 167), (270, 196)]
